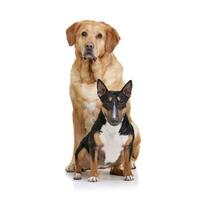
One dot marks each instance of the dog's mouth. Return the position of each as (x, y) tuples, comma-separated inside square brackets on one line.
[(114, 123), (88, 55)]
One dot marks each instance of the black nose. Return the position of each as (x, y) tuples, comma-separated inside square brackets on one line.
[(114, 121), (89, 45)]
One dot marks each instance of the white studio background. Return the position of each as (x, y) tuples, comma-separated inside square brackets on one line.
[(160, 52)]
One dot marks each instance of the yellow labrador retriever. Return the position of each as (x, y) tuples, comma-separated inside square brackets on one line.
[(94, 44)]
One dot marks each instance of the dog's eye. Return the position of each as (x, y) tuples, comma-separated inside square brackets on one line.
[(84, 34), (99, 36), (118, 98)]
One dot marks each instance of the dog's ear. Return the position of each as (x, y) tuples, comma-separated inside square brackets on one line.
[(71, 33), (101, 88), (112, 38), (126, 90)]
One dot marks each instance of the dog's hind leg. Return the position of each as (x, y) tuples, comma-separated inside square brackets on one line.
[(136, 144), (136, 150), (137, 139), (78, 136)]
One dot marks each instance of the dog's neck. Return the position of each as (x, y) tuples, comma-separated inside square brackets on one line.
[(90, 71)]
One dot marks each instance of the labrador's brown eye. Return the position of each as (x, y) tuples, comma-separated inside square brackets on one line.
[(99, 36), (84, 34)]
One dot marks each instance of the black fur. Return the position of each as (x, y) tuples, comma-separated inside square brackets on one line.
[(111, 100), (88, 141)]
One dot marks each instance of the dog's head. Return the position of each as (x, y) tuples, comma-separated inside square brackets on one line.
[(114, 102), (92, 39)]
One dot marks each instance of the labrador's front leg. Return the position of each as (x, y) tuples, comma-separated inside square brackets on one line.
[(78, 136)]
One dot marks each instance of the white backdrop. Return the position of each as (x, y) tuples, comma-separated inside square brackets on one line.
[(160, 52)]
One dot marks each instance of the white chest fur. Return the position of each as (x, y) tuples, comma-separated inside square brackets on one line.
[(113, 142)]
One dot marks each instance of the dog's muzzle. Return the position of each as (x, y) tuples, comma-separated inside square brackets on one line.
[(88, 54)]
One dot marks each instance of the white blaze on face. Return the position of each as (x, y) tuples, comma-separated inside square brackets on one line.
[(114, 111)]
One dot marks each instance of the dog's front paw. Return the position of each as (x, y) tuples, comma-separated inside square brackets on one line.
[(77, 176), (133, 166), (70, 168), (129, 178), (92, 179)]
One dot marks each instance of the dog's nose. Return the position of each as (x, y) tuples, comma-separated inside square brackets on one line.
[(114, 121), (89, 45)]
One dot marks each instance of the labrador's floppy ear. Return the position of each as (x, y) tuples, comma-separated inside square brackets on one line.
[(71, 33), (112, 38), (126, 90), (101, 88)]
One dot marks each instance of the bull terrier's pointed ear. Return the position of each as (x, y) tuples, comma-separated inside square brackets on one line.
[(127, 89), (101, 88)]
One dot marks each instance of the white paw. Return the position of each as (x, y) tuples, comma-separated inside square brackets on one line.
[(77, 176), (92, 179), (70, 168), (128, 178)]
